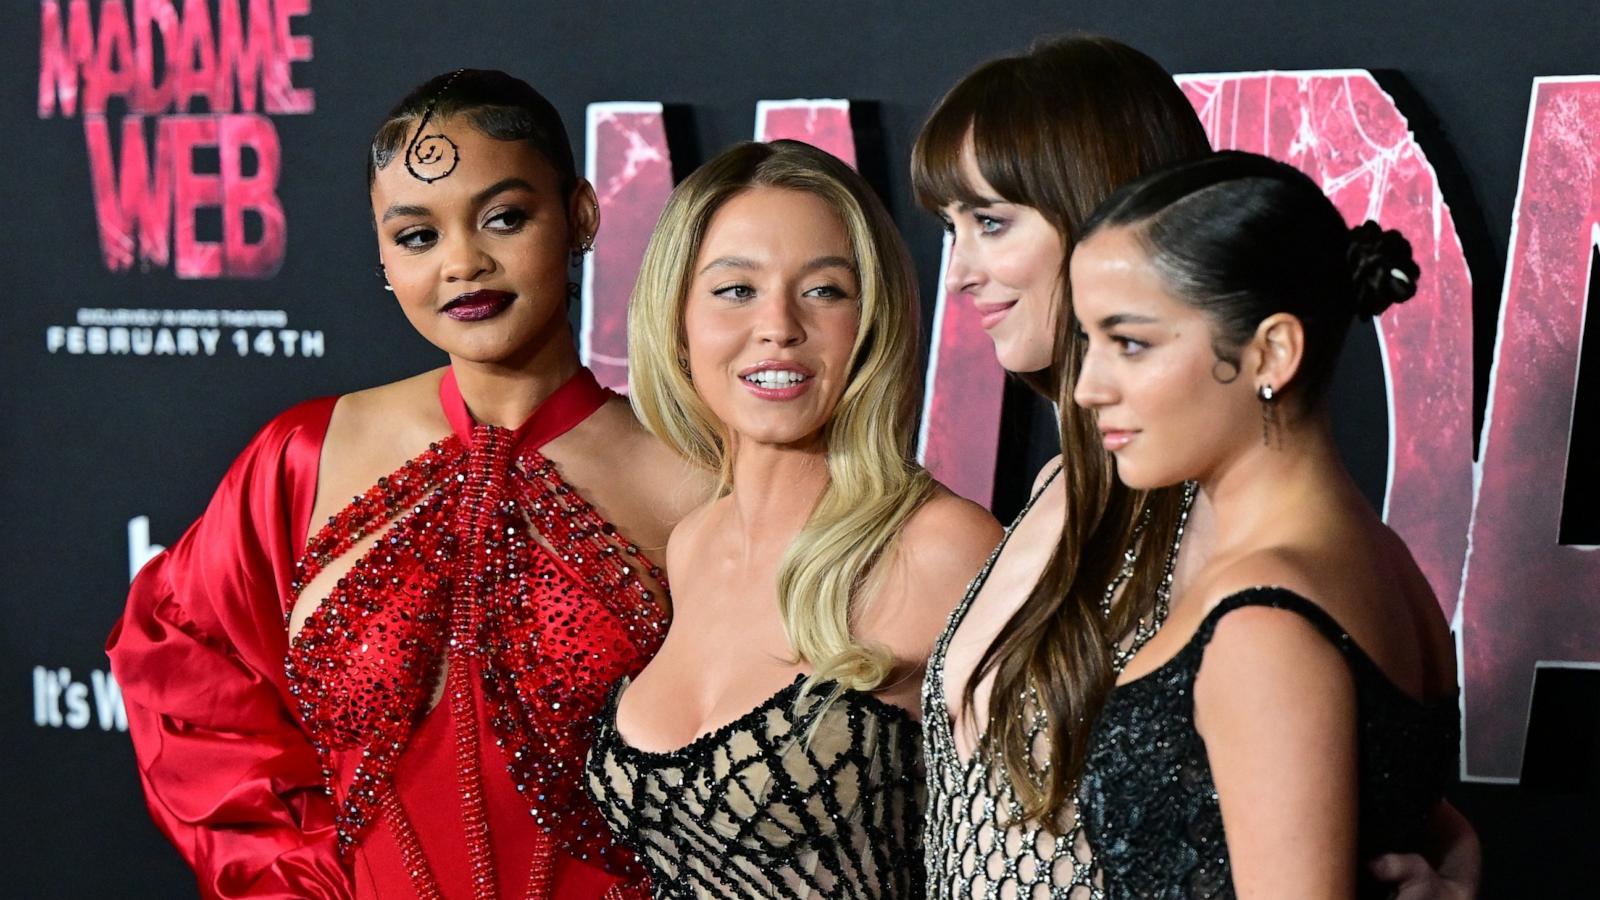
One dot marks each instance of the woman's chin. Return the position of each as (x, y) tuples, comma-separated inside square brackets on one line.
[(1141, 478), (1019, 357)]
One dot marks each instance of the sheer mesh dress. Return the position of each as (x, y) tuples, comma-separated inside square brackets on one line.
[(978, 845), (790, 800), (1147, 795)]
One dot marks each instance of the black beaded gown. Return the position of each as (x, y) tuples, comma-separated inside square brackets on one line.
[(1148, 800), (793, 799)]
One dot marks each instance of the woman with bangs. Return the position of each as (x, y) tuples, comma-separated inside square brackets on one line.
[(1014, 159), (770, 748)]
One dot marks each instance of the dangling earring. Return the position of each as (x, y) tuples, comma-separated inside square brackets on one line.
[(580, 251), (378, 271), (1268, 398)]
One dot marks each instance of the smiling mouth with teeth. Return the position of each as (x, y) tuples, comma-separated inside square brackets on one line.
[(774, 378)]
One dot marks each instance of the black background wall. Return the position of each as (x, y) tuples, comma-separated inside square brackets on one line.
[(95, 444)]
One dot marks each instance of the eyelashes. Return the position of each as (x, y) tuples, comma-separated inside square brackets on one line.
[(990, 225), (743, 292), (987, 225), (1126, 346), (416, 238), (513, 217), (504, 221), (735, 292)]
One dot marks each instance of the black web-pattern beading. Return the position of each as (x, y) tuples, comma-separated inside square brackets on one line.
[(1148, 800), (783, 802)]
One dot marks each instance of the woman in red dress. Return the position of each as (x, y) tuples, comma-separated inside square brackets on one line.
[(392, 695)]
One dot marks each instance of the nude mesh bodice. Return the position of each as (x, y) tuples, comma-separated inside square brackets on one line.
[(759, 809)]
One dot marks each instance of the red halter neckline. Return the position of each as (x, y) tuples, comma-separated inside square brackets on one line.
[(570, 404)]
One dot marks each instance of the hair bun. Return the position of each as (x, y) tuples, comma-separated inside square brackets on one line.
[(1381, 268)]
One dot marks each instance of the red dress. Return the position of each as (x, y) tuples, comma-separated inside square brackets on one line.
[(318, 770)]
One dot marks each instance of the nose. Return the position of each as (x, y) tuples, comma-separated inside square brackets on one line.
[(464, 260), (962, 274), (778, 323), (1093, 389)]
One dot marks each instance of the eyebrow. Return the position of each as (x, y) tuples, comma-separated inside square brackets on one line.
[(982, 202), (397, 210), (1116, 319), (501, 186), (729, 262), (504, 184), (742, 262), (828, 262)]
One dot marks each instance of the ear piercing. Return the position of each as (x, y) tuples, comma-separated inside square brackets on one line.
[(1268, 398)]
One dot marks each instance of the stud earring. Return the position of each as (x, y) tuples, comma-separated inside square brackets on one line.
[(378, 271)]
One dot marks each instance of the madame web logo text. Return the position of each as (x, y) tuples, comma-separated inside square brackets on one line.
[(175, 105)]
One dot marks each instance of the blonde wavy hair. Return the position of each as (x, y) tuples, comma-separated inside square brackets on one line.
[(874, 485)]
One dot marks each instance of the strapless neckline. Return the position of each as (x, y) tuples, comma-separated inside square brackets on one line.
[(783, 696)]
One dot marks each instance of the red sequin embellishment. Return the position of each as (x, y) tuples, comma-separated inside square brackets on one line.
[(492, 566)]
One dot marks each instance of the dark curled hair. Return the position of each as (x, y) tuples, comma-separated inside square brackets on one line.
[(1242, 237), (498, 105)]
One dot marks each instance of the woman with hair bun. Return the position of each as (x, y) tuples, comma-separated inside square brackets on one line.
[(1297, 712), (1014, 159), (770, 749), (392, 696)]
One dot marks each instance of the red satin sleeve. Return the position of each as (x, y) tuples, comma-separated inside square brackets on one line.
[(228, 774)]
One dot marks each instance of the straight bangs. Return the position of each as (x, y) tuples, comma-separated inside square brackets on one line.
[(990, 108)]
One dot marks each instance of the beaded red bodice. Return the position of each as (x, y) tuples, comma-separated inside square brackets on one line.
[(500, 575)]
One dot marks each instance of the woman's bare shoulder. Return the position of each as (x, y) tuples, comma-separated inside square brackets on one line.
[(941, 547), (1045, 472), (653, 471), (392, 411), (635, 480), (373, 432), (948, 524)]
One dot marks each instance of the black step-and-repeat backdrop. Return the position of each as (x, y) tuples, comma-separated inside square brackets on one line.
[(188, 251)]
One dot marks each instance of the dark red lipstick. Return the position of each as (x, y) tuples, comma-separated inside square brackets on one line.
[(478, 305)]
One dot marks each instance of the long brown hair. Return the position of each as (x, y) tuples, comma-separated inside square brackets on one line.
[(1058, 129)]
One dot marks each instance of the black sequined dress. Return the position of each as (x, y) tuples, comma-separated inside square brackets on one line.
[(1148, 801), (790, 800)]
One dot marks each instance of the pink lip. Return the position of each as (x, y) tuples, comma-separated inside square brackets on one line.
[(478, 305), (1114, 439), (990, 314), (787, 392)]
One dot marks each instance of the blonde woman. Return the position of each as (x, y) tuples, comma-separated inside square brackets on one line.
[(770, 748)]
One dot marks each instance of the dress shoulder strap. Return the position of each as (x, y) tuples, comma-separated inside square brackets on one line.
[(1277, 598)]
